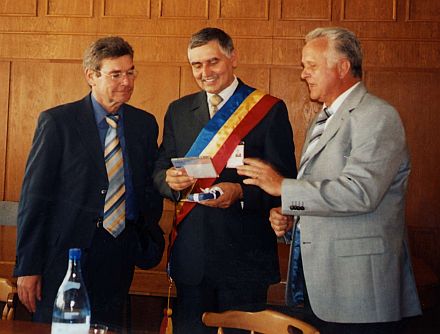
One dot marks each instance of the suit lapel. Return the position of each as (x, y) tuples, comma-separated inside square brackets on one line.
[(88, 133), (200, 110)]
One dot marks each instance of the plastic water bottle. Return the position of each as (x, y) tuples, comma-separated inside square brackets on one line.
[(71, 311)]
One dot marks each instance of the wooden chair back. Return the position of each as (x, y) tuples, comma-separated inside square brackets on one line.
[(8, 296), (265, 322)]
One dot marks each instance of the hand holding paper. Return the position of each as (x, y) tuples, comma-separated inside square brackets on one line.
[(197, 167), (178, 179)]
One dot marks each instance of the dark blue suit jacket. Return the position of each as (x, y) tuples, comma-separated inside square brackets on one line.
[(64, 189)]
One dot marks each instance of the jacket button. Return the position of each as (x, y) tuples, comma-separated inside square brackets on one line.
[(293, 207), (104, 191)]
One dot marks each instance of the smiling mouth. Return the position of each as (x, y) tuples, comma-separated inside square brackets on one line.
[(209, 80)]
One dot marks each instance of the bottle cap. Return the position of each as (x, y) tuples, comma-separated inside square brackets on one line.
[(74, 254)]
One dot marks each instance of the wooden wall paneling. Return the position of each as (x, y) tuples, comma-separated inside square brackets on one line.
[(18, 8), (152, 80), (401, 54), (255, 76), (177, 9), (285, 83), (413, 94), (254, 50), (67, 8), (287, 51), (372, 10), (8, 235), (422, 10), (44, 26), (244, 9), (159, 50), (129, 9), (4, 113), (304, 10), (43, 46), (7, 243), (35, 86)]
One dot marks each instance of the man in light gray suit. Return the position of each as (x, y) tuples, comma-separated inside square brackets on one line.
[(349, 196)]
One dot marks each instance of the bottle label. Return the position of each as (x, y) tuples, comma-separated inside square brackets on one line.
[(70, 285), (60, 328)]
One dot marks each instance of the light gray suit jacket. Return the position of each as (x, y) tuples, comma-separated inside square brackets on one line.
[(351, 199)]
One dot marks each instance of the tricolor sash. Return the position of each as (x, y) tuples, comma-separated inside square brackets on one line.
[(221, 135)]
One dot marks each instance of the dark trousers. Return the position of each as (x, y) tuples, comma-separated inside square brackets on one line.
[(108, 272), (193, 301), (340, 328)]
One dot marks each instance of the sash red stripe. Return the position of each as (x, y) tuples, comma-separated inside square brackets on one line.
[(253, 117)]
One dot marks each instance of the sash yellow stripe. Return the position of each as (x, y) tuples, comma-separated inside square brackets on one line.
[(225, 131)]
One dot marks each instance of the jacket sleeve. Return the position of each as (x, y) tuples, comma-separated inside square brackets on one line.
[(166, 150), (366, 159), (37, 197)]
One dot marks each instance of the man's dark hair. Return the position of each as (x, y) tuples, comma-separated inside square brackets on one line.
[(207, 35), (103, 48)]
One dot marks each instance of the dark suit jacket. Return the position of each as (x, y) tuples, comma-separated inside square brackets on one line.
[(227, 245), (65, 183)]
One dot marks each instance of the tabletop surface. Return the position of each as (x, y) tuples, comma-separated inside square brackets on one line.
[(24, 327)]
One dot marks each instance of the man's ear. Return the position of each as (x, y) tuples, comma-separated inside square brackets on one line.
[(90, 77), (344, 67), (234, 58)]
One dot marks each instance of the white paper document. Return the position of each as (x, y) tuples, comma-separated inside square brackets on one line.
[(198, 167)]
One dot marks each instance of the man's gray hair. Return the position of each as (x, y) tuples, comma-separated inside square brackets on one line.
[(344, 42)]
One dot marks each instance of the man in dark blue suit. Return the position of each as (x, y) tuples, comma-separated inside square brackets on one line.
[(67, 185), (225, 254)]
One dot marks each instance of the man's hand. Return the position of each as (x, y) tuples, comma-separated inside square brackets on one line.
[(262, 175), (178, 179), (279, 222), (29, 289), (232, 192)]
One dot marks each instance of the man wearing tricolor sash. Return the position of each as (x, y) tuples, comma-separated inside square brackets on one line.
[(223, 253)]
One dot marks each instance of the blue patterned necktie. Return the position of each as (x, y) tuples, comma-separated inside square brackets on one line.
[(114, 208)]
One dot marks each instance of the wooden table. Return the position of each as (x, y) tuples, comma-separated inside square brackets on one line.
[(23, 327)]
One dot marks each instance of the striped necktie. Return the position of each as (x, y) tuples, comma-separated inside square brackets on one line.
[(114, 208), (314, 138), (214, 100)]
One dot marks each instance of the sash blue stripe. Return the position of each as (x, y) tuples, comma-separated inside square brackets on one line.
[(221, 116)]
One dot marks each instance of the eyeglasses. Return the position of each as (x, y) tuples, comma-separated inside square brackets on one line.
[(118, 76)]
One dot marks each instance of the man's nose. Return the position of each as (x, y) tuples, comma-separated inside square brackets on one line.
[(304, 73), (125, 79), (206, 70)]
